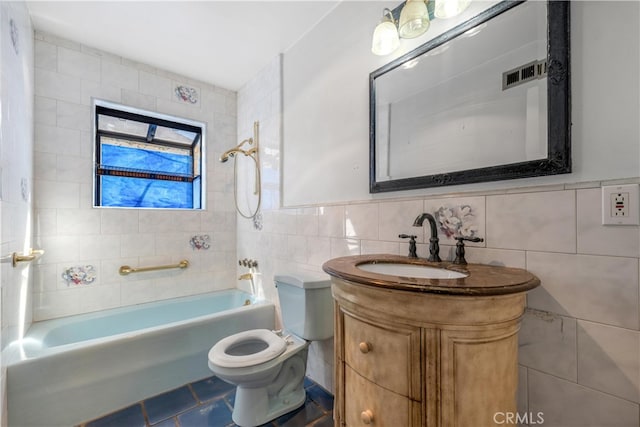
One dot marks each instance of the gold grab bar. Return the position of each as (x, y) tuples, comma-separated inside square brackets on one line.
[(33, 254), (125, 269)]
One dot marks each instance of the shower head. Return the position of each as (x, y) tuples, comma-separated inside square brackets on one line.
[(225, 157), (230, 153)]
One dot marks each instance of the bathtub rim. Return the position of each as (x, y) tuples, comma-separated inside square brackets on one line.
[(28, 348)]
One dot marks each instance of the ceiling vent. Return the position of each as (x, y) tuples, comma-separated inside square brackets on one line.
[(525, 73)]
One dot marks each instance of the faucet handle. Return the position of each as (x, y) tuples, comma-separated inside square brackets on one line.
[(251, 263), (460, 248), (412, 244), (469, 239)]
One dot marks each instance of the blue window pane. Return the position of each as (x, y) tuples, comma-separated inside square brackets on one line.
[(145, 193), (150, 160), (144, 160), (197, 191)]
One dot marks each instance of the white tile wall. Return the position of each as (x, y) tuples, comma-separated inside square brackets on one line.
[(307, 222), (542, 331), (609, 359), (593, 238), (398, 218), (68, 76), (331, 221), (543, 221), (566, 404), (598, 288), (361, 221), (502, 257), (16, 166)]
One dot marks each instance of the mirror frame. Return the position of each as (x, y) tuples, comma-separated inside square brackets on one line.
[(558, 159)]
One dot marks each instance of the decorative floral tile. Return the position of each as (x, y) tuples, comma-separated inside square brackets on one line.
[(187, 94), (79, 275), (15, 40), (459, 221), (458, 217), (200, 242), (24, 189), (257, 221)]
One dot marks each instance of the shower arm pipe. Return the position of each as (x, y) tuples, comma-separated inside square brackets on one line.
[(125, 269), (235, 150), (238, 148)]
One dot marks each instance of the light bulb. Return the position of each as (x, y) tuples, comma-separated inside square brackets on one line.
[(414, 19), (450, 8), (385, 36)]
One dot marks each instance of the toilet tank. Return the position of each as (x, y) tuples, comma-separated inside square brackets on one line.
[(306, 304)]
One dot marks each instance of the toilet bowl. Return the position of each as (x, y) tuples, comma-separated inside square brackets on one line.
[(268, 370), (268, 367), (248, 348)]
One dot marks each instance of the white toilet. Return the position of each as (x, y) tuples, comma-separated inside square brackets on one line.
[(268, 367)]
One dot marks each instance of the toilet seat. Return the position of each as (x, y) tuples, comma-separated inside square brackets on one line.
[(220, 356)]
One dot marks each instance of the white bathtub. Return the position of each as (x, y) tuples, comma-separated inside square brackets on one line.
[(78, 368)]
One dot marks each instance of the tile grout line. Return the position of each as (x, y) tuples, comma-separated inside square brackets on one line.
[(144, 413)]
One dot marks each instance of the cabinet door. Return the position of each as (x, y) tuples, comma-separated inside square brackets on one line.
[(479, 375), (386, 355), (369, 404)]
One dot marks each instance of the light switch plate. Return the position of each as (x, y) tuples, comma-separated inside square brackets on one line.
[(620, 204)]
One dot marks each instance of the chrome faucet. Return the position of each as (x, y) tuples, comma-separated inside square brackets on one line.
[(434, 247)]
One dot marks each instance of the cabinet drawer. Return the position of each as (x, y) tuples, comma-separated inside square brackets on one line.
[(381, 355), (365, 401)]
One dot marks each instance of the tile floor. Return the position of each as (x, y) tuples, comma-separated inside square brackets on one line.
[(208, 403)]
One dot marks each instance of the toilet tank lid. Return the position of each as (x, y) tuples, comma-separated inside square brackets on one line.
[(305, 279)]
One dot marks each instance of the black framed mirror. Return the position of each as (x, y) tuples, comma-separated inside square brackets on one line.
[(488, 100)]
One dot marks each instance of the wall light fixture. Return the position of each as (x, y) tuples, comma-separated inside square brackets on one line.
[(413, 21), (385, 36), (450, 8)]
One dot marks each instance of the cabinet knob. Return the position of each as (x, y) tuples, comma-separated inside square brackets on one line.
[(367, 416), (365, 347)]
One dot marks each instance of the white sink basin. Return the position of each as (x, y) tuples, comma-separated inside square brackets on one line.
[(410, 270)]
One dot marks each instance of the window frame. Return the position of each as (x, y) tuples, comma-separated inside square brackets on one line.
[(159, 120)]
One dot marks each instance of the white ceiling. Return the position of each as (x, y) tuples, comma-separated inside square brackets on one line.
[(224, 43)]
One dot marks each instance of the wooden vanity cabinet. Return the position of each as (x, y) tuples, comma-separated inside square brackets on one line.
[(405, 358), (379, 395)]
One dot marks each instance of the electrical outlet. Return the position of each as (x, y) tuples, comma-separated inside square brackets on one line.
[(620, 204)]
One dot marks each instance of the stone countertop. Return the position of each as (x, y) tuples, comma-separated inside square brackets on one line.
[(481, 279)]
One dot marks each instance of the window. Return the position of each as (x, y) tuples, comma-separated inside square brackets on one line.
[(147, 160)]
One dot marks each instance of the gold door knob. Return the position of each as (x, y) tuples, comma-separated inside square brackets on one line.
[(366, 416), (365, 347)]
